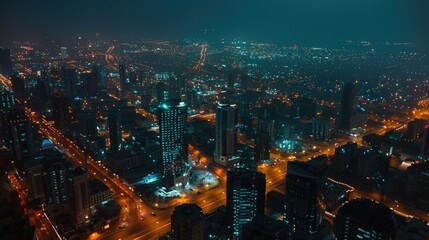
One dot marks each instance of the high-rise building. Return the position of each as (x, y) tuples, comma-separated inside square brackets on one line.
[(304, 210), (364, 219), (172, 117), (69, 78), (321, 128), (162, 94), (304, 107), (265, 228), (424, 151), (187, 222), (87, 122), (20, 136), (415, 129), (7, 102), (90, 82), (55, 171), (122, 74), (78, 196), (226, 135), (245, 199), (264, 139), (115, 130), (347, 107), (344, 159), (61, 109), (18, 87), (6, 67)]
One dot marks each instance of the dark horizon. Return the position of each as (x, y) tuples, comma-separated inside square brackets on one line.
[(288, 22)]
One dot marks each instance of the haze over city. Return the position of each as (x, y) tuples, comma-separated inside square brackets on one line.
[(195, 120)]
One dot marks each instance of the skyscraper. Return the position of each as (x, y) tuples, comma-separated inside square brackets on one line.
[(304, 210), (226, 135), (54, 175), (264, 138), (5, 62), (364, 219), (187, 223), (90, 83), (78, 196), (245, 199), (122, 80), (115, 130), (347, 107), (18, 87), (7, 101), (87, 123), (321, 128), (424, 151), (415, 129), (69, 78), (172, 117), (21, 136)]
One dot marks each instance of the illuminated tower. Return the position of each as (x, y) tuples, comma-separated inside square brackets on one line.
[(245, 199), (172, 117), (226, 135), (304, 210)]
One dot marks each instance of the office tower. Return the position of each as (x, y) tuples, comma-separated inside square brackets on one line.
[(115, 130), (264, 228), (231, 80), (34, 179), (5, 62), (61, 109), (99, 76), (69, 78), (226, 135), (344, 158), (347, 107), (87, 123), (370, 163), (172, 117), (18, 87), (162, 93), (122, 73), (21, 136), (42, 89), (192, 99), (304, 107), (264, 139), (90, 84), (7, 101), (415, 129), (78, 196), (321, 128), (304, 210), (424, 151), (187, 222), (54, 175), (364, 219), (417, 184), (245, 199)]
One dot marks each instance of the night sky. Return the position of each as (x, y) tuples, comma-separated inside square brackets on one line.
[(282, 21)]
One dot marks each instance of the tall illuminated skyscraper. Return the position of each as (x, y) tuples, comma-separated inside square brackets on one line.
[(172, 117), (226, 135), (245, 199), (20, 136), (304, 210)]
